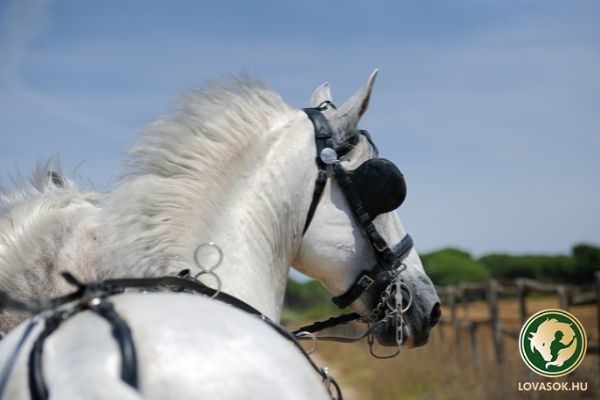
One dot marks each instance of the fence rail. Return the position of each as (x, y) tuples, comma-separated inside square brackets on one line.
[(458, 295)]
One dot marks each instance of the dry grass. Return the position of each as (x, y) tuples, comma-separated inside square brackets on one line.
[(439, 371)]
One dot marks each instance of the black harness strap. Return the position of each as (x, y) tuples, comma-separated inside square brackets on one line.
[(319, 187), (323, 140), (120, 331), (382, 251), (37, 383), (12, 359), (293, 339), (328, 323), (176, 283), (377, 277)]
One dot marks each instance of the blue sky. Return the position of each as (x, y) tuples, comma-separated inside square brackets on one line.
[(490, 107)]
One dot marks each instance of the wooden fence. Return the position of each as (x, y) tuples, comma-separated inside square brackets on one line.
[(459, 295)]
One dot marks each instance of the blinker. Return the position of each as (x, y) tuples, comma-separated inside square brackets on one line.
[(380, 186)]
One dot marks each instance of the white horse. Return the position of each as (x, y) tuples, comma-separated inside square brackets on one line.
[(234, 165)]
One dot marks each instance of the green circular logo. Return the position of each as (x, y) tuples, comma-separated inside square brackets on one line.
[(552, 343)]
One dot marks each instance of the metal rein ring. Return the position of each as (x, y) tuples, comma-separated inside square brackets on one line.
[(410, 296), (312, 337), (217, 279), (208, 268)]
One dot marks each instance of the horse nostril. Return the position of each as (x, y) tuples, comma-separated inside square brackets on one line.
[(436, 314)]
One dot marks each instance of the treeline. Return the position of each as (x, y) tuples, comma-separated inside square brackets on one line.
[(450, 266), (309, 300), (306, 301)]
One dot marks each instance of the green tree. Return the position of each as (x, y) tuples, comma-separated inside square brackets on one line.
[(587, 262), (540, 267), (448, 266)]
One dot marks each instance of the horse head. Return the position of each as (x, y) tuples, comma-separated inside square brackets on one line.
[(337, 248)]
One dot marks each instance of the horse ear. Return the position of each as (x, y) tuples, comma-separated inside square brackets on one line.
[(56, 179), (320, 95), (345, 120)]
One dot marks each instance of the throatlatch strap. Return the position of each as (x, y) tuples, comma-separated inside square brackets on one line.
[(319, 187), (323, 140)]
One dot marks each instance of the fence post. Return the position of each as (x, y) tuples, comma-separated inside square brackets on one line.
[(598, 315), (473, 336), (564, 299), (492, 298), (470, 325), (522, 294), (440, 329), (453, 294)]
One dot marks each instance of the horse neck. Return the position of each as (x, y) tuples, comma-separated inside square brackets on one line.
[(260, 225), (254, 213)]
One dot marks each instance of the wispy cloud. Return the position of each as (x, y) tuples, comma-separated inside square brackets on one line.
[(21, 24)]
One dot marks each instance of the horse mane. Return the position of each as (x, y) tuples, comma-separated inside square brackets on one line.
[(176, 168), (212, 124)]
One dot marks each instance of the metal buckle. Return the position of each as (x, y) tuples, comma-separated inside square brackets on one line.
[(365, 281), (380, 249)]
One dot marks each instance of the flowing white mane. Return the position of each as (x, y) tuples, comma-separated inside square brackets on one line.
[(177, 167), (213, 124)]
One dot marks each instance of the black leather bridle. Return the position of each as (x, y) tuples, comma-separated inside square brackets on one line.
[(389, 262)]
